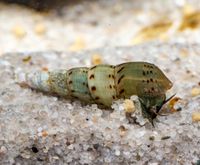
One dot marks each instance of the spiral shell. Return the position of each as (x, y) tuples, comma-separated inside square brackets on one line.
[(102, 84)]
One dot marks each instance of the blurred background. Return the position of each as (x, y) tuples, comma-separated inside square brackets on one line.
[(64, 25)]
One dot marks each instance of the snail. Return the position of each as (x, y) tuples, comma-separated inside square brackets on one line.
[(103, 84)]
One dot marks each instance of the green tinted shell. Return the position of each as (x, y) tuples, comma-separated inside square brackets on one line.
[(102, 84)]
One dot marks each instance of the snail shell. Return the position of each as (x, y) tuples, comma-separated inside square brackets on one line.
[(102, 84)]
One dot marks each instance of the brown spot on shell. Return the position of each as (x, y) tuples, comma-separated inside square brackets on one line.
[(70, 82), (70, 72), (149, 66), (120, 69), (93, 67), (113, 97), (121, 91), (111, 76), (120, 79), (93, 88), (97, 98), (91, 76), (110, 86)]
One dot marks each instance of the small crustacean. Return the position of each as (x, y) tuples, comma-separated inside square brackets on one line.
[(102, 84)]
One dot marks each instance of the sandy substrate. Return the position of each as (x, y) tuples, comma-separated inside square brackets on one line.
[(93, 24), (41, 129)]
